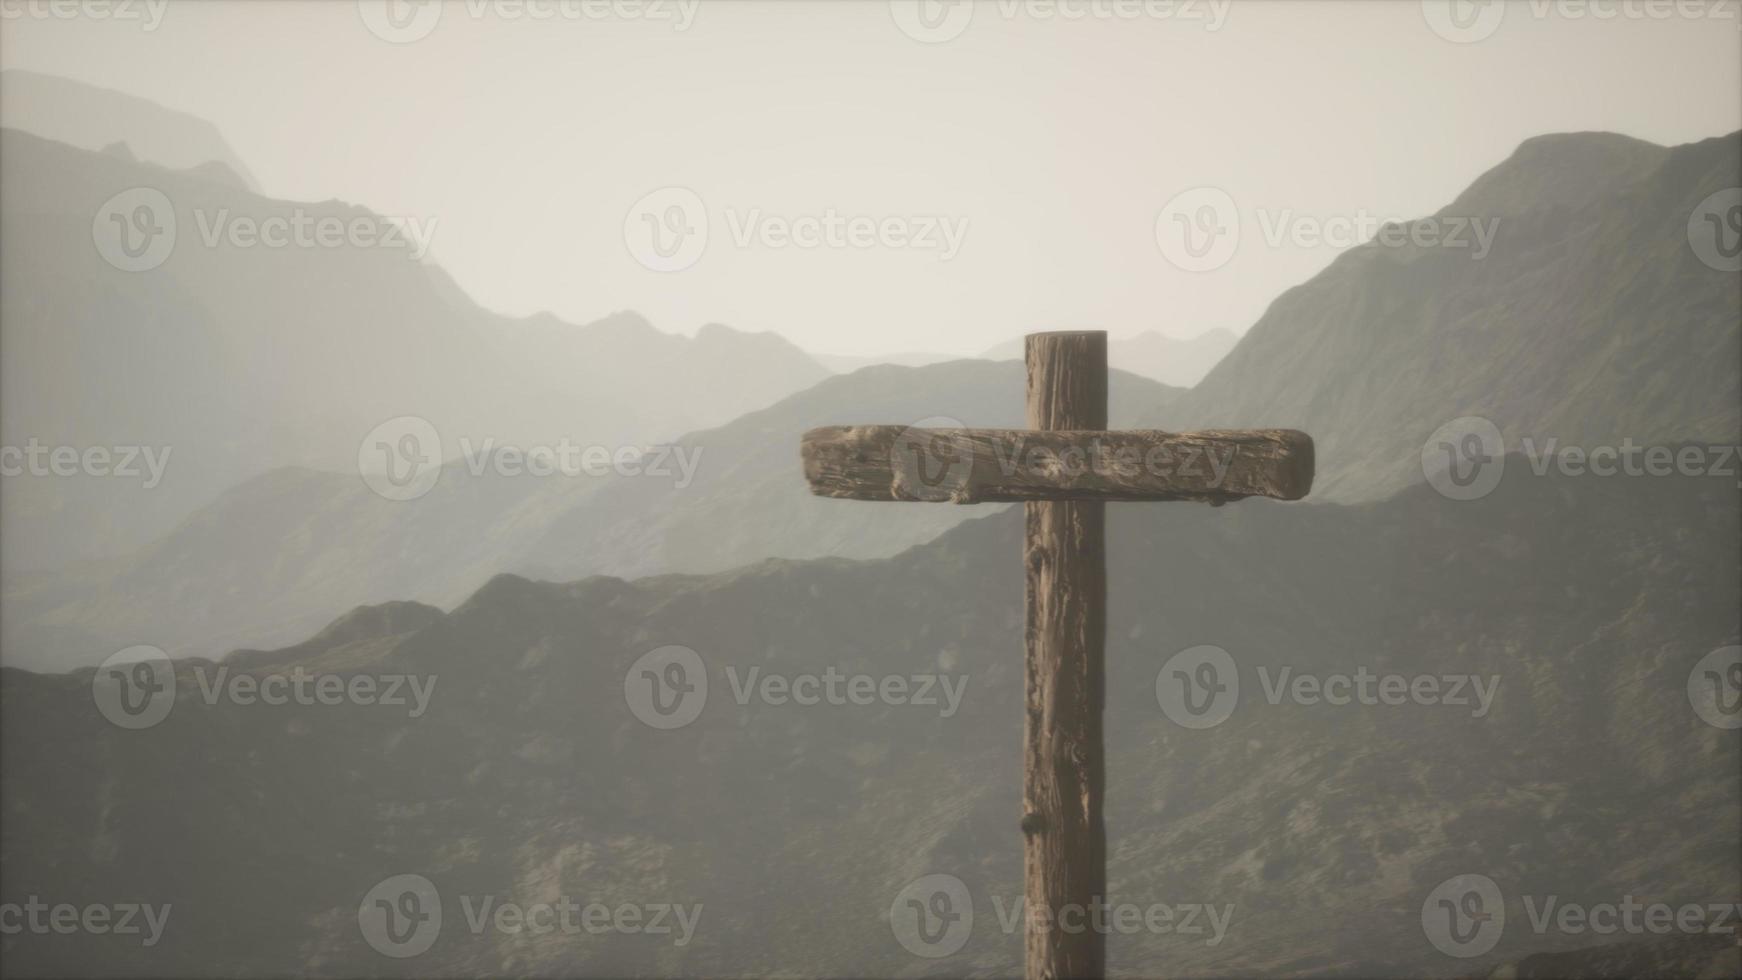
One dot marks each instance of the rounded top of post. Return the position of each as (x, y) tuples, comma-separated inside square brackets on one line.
[(1069, 333)]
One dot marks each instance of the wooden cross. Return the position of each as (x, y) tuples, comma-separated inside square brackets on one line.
[(1064, 467)]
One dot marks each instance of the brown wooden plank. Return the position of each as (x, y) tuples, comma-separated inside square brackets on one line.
[(891, 462), (1064, 772)]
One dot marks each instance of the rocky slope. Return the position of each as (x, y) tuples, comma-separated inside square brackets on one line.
[(1585, 605)]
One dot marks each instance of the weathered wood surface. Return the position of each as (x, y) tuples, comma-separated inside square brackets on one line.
[(1064, 771), (890, 462)]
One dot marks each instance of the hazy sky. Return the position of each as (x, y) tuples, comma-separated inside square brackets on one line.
[(1047, 145)]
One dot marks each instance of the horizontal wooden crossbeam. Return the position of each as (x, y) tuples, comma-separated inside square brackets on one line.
[(891, 462)]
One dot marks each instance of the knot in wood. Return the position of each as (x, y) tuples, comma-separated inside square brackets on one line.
[(1033, 823)]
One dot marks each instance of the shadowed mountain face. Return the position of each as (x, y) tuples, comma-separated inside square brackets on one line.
[(1591, 320), (1318, 831), (233, 356), (270, 561)]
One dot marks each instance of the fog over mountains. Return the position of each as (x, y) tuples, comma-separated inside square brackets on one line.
[(1580, 604), (260, 530), (237, 360)]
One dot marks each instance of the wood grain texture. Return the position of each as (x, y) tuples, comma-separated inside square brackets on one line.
[(890, 462), (1064, 773)]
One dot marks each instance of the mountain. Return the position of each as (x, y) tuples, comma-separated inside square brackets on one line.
[(1585, 604), (1590, 321), (848, 363), (749, 500), (94, 118), (1180, 362), (269, 561), (233, 357)]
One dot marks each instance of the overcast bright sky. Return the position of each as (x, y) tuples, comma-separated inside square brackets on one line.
[(1050, 145)]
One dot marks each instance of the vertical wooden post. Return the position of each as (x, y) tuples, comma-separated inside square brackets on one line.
[(1065, 842)]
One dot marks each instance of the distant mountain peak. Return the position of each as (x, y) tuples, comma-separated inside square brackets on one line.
[(1559, 169), (94, 118), (377, 621)]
